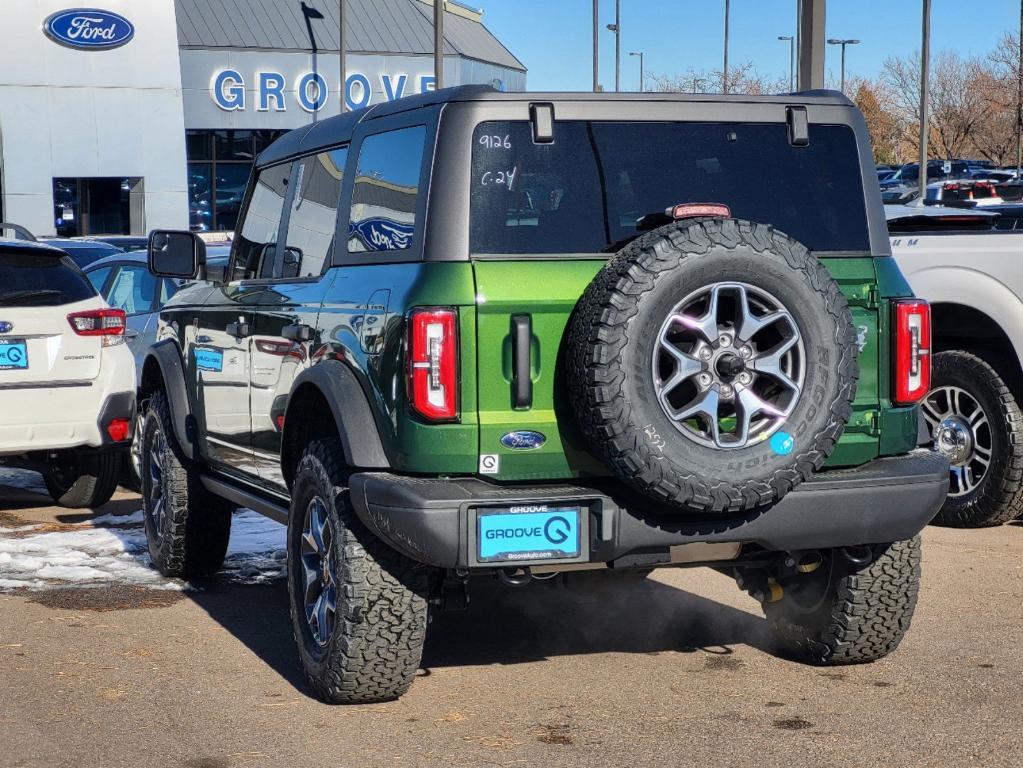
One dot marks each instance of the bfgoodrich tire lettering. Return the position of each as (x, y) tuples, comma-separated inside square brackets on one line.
[(379, 618), (611, 343)]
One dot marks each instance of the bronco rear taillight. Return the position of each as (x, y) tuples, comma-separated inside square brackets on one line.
[(912, 367), (108, 323), (433, 363)]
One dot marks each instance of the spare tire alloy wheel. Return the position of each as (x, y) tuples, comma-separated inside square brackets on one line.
[(741, 374), (712, 364)]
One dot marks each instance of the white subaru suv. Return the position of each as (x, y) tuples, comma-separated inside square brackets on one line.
[(67, 379)]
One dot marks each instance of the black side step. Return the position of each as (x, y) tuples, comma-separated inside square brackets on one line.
[(244, 498)]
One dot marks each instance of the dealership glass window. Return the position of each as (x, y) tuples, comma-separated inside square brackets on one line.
[(219, 163), (313, 213), (386, 190), (256, 247)]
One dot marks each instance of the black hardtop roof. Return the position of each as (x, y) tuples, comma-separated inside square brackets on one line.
[(9, 246), (339, 129)]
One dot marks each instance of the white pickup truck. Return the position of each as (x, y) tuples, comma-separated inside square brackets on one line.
[(972, 274)]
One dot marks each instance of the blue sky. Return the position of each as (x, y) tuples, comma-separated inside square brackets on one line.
[(553, 37)]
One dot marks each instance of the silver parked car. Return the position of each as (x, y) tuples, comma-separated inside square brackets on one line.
[(125, 281)]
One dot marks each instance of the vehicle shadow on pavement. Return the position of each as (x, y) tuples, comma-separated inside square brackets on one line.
[(505, 625)]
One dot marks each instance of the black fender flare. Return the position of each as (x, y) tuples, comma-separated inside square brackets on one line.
[(167, 357), (350, 408)]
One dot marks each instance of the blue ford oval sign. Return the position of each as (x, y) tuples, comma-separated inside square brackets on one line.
[(89, 29), (523, 440)]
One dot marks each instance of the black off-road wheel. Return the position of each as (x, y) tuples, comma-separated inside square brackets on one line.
[(977, 423), (82, 480), (712, 364), (847, 612), (358, 608), (187, 527)]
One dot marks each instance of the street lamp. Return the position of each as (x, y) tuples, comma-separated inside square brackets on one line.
[(792, 59), (640, 54), (617, 29), (842, 42), (724, 71)]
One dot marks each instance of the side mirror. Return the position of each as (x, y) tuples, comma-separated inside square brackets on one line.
[(176, 254)]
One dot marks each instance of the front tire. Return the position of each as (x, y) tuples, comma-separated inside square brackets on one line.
[(82, 480), (978, 424), (187, 527), (358, 608), (848, 613)]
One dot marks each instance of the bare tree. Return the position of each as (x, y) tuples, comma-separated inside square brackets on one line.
[(743, 78)]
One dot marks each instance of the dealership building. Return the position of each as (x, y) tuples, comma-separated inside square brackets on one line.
[(140, 115)]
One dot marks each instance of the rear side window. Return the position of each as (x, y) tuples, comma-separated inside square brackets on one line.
[(386, 191), (586, 192), (41, 281), (133, 290), (257, 240), (313, 213)]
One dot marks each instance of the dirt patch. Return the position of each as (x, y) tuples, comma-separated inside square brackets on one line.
[(206, 762), (10, 520), (723, 663), (558, 733), (792, 724), (111, 598)]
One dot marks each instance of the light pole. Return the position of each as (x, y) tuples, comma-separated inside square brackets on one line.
[(925, 63), (843, 43), (438, 44), (341, 51), (792, 59), (724, 70), (596, 48), (617, 29), (640, 54), (1019, 97)]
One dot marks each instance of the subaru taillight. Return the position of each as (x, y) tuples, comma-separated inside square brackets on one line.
[(912, 367), (433, 363), (108, 323)]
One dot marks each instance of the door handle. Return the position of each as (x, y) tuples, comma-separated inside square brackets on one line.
[(522, 373), (297, 332), (239, 330)]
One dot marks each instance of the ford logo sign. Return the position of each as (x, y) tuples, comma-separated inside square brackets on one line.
[(523, 440), (5, 327), (89, 29)]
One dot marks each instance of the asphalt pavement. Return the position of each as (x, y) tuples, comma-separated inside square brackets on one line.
[(675, 671)]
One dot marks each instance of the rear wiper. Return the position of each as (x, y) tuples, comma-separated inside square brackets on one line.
[(18, 297)]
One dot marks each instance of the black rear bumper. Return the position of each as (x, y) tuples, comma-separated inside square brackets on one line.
[(431, 520)]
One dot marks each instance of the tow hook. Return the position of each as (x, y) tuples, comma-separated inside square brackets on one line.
[(858, 555), (515, 577)]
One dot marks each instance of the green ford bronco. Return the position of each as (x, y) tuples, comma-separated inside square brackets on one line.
[(472, 333)]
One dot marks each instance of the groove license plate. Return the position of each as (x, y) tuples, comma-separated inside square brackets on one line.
[(528, 533), (13, 354)]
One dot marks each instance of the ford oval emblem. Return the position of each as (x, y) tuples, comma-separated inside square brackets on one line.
[(5, 327), (89, 29), (523, 440)]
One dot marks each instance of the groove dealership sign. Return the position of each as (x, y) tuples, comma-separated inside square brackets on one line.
[(272, 93)]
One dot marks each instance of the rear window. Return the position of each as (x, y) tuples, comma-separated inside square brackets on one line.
[(41, 281), (586, 192)]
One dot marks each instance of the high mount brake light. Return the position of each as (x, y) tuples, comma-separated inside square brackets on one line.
[(108, 323), (433, 363), (912, 369), (696, 210)]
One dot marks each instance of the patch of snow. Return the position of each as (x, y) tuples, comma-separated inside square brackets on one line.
[(21, 478), (93, 554)]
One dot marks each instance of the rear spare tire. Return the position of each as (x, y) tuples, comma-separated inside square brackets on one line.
[(712, 363)]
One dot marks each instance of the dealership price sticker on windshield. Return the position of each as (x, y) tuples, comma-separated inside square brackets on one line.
[(528, 533)]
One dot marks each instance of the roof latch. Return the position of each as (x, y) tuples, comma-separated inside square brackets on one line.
[(541, 115), (799, 126)]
